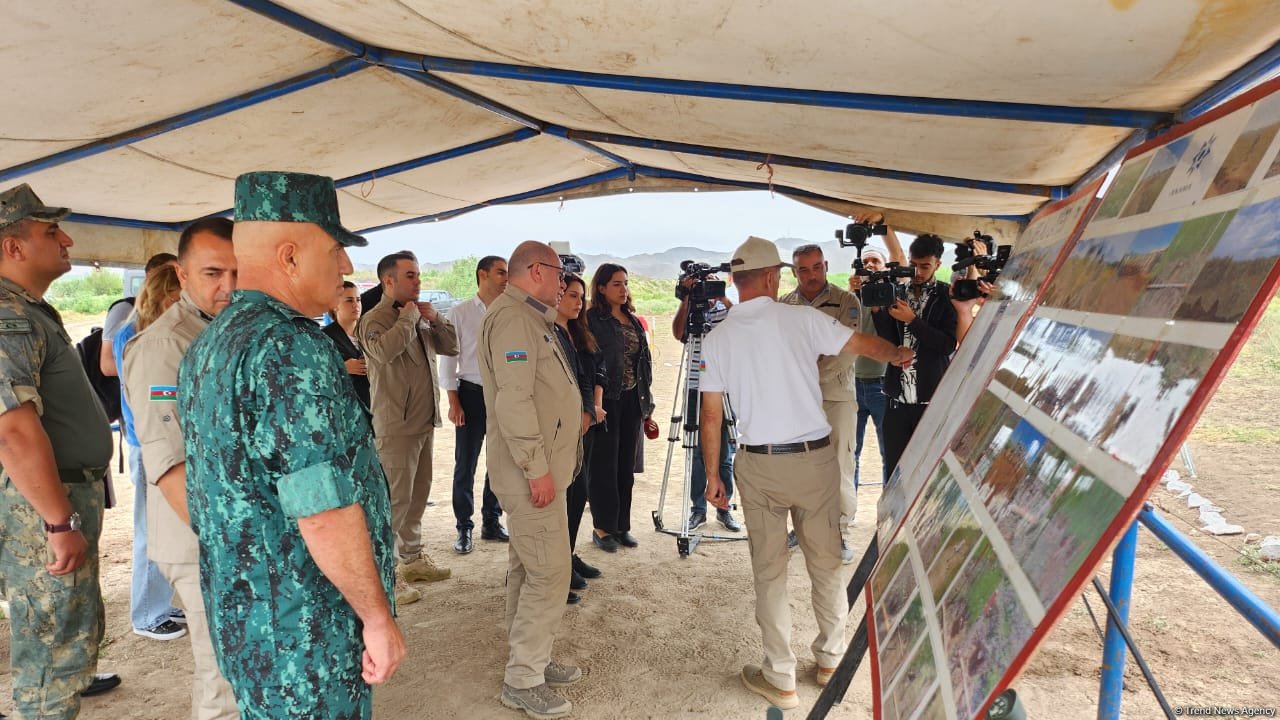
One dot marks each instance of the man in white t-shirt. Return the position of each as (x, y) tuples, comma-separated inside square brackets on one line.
[(765, 354)]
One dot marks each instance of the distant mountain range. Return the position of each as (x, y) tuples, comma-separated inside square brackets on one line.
[(665, 265)]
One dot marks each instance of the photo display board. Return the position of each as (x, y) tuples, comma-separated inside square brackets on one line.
[(1043, 454)]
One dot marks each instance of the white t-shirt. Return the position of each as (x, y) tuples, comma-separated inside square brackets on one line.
[(765, 355)]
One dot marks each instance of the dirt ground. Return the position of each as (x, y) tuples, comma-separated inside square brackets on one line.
[(662, 636)]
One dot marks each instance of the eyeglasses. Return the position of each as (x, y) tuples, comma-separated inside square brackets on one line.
[(559, 269)]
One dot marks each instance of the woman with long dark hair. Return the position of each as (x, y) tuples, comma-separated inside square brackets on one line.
[(628, 401), (581, 348)]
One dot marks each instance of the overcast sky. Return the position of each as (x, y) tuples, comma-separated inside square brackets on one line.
[(621, 225)]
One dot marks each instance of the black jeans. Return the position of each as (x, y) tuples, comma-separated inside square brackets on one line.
[(469, 438), (698, 475), (900, 421), (613, 464), (579, 488)]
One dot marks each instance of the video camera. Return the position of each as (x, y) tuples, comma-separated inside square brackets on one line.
[(573, 264), (990, 263), (881, 288), (703, 289)]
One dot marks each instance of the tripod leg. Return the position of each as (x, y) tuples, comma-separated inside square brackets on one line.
[(672, 436)]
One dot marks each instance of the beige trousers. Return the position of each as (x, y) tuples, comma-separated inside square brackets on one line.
[(843, 417), (211, 696), (538, 572), (806, 486), (406, 459)]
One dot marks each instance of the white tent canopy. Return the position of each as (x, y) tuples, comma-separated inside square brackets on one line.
[(139, 114)]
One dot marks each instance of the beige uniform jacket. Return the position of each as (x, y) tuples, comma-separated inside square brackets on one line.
[(835, 372), (150, 376), (533, 408), (404, 387)]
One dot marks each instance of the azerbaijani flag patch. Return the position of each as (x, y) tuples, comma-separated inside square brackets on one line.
[(518, 356), (164, 393)]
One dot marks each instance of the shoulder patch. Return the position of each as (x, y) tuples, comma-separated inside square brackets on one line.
[(517, 356), (15, 326)]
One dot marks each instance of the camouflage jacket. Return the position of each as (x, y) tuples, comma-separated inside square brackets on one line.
[(274, 432)]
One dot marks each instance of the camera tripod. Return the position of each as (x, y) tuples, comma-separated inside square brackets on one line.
[(684, 429)]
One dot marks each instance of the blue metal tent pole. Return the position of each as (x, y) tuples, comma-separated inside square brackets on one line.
[(1110, 693), (1253, 72), (1250, 606), (338, 69), (799, 162)]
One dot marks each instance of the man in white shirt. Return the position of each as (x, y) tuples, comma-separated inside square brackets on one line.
[(765, 354), (460, 378)]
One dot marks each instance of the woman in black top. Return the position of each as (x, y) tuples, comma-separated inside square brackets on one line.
[(628, 401), (342, 331), (583, 352)]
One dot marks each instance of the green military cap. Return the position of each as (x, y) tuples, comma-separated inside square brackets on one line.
[(273, 196), (20, 203)]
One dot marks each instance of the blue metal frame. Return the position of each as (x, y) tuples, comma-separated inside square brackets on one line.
[(460, 151), (125, 222), (1252, 73), (304, 25), (1244, 601), (613, 174), (335, 70), (825, 165)]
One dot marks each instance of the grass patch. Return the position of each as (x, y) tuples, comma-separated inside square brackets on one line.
[(1245, 435), (1250, 559), (1260, 357)]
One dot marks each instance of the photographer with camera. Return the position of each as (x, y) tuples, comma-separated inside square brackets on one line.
[(835, 372), (869, 373), (765, 354), (978, 263), (925, 321), (696, 285)]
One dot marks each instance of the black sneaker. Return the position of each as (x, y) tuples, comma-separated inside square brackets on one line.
[(179, 617), (590, 572), (167, 630), (792, 541), (493, 530), (102, 682), (697, 519), (606, 543), (576, 581), (729, 522)]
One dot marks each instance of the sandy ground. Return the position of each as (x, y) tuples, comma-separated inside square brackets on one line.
[(662, 636)]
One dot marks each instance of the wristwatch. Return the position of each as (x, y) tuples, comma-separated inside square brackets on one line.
[(72, 523)]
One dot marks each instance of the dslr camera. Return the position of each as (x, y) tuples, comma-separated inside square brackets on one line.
[(703, 289), (990, 263), (879, 289)]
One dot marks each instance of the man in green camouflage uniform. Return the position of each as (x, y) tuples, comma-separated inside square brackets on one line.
[(287, 498), (55, 446)]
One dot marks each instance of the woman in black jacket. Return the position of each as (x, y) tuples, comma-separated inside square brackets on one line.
[(342, 331), (628, 401), (583, 352)]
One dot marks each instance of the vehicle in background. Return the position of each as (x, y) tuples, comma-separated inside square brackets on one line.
[(133, 279), (441, 300)]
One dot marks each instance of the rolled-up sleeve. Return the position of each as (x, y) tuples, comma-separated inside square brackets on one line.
[(301, 428)]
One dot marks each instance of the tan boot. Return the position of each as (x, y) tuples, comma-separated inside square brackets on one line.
[(823, 675), (755, 681), (406, 594), (422, 569)]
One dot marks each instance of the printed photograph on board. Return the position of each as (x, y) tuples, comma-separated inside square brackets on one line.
[(890, 561), (955, 550), (910, 689), (989, 414), (1093, 413), (1180, 264), (1237, 267), (893, 602), (1163, 160), (903, 638), (1066, 380), (1122, 187), (1120, 294), (1034, 353), (1249, 149), (941, 510)]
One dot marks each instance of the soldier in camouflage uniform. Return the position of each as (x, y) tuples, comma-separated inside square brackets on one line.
[(286, 496), (55, 446)]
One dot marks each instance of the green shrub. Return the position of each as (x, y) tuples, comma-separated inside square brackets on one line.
[(88, 294)]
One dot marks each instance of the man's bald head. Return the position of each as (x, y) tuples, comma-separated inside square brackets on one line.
[(535, 268), (297, 263), (529, 253)]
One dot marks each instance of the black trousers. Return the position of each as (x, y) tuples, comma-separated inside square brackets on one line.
[(613, 464), (469, 439), (900, 421), (579, 488)]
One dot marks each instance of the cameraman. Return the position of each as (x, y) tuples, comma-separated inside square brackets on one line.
[(717, 310), (926, 323), (868, 373)]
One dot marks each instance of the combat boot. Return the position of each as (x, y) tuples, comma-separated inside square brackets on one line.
[(422, 569), (406, 594), (537, 702)]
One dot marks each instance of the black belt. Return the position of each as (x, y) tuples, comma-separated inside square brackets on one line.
[(82, 475), (895, 404), (788, 448), (869, 380), (462, 382)]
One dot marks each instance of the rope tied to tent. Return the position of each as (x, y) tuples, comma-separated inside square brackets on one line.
[(767, 164), (364, 194)]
